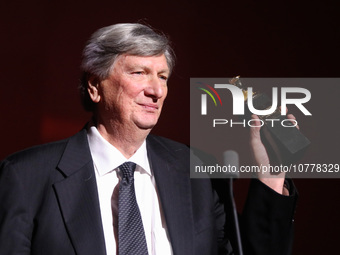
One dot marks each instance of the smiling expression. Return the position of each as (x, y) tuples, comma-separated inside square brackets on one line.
[(134, 92)]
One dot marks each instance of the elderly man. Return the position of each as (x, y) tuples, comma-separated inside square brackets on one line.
[(114, 189)]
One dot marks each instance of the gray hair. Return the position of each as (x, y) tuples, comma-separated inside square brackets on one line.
[(107, 43)]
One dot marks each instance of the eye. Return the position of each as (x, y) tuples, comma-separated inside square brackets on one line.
[(163, 77), (138, 73)]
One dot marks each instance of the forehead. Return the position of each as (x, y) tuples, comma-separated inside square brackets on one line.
[(126, 61)]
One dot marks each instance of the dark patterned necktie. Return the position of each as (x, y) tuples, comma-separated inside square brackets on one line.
[(131, 236)]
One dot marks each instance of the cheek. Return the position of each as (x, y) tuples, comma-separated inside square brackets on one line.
[(134, 91), (114, 95)]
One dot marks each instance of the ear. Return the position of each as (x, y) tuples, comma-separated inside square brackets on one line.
[(92, 88)]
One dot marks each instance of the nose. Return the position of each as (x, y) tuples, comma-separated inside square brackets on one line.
[(156, 88)]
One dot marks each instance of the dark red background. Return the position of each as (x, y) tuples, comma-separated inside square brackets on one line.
[(41, 44)]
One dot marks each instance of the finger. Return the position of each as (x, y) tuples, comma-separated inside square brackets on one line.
[(291, 116)]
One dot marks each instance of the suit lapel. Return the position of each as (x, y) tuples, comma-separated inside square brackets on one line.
[(174, 190), (78, 197)]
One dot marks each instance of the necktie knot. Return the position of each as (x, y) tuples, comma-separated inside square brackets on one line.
[(127, 169)]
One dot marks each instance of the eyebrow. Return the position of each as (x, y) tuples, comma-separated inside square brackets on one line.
[(167, 71)]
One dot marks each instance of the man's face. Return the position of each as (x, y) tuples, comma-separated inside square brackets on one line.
[(133, 94)]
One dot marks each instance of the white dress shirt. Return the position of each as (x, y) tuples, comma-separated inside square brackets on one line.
[(107, 159)]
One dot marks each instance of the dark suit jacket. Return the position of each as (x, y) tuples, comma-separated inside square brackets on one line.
[(49, 204)]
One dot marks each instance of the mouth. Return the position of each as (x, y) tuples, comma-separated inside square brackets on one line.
[(150, 107)]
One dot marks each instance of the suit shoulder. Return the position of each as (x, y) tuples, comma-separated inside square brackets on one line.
[(168, 143), (38, 152), (31, 170), (179, 149), (37, 160), (49, 151)]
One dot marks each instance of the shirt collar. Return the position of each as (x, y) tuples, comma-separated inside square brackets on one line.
[(107, 157)]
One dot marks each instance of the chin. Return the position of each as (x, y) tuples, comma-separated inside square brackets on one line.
[(145, 122), (146, 125)]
